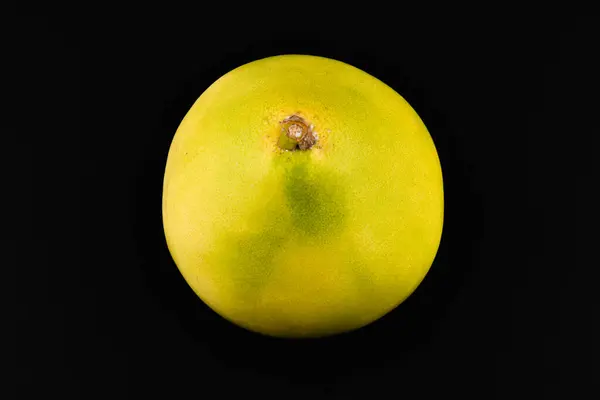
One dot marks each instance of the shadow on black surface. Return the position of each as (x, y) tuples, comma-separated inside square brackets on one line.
[(409, 328)]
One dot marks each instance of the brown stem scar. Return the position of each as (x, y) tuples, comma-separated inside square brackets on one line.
[(300, 131)]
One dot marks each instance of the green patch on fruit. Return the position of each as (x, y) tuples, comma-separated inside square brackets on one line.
[(315, 200), (251, 257), (247, 258)]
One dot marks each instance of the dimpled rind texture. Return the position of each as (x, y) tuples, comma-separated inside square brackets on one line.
[(302, 243)]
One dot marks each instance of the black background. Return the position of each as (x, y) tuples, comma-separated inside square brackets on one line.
[(507, 310)]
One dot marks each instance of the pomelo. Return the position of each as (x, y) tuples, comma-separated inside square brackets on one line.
[(302, 197)]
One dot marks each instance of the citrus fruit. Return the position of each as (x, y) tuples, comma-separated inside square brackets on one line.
[(302, 197)]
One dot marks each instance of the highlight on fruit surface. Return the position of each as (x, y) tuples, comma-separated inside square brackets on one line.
[(302, 197)]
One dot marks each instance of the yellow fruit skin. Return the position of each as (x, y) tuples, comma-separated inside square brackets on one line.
[(303, 243)]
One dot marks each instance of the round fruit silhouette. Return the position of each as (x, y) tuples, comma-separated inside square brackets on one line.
[(302, 197)]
